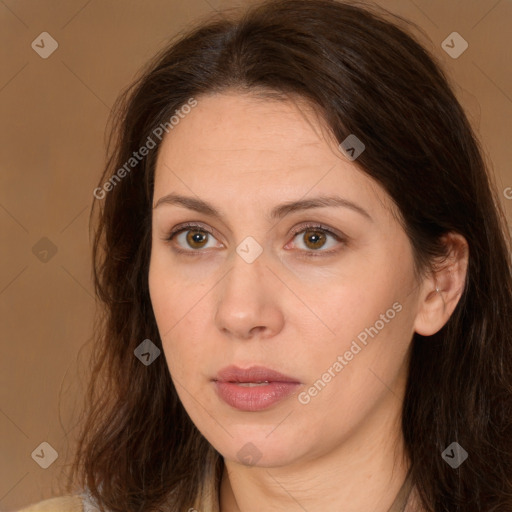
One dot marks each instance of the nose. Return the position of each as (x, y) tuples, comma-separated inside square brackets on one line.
[(249, 300)]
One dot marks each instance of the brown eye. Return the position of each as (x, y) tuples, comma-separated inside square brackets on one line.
[(196, 239), (314, 239), (190, 238)]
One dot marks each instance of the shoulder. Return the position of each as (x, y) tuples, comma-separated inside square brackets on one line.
[(70, 503)]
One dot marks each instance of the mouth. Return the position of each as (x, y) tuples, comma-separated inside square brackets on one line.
[(253, 389)]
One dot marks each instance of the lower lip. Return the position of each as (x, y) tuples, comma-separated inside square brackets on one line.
[(255, 398)]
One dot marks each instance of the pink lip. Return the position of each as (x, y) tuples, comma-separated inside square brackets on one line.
[(227, 384), (252, 374)]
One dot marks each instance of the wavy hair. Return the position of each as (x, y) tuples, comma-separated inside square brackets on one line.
[(366, 74)]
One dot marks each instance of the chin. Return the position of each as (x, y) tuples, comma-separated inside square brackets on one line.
[(253, 446)]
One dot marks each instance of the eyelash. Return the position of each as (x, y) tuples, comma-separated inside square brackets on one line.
[(308, 254)]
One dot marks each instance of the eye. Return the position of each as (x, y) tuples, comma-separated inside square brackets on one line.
[(196, 237), (193, 235), (315, 237)]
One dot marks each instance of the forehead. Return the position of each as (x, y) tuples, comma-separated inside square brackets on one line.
[(237, 142), (245, 123)]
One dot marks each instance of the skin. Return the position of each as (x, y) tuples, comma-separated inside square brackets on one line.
[(343, 450)]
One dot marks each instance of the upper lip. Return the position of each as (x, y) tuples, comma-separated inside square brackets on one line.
[(252, 374)]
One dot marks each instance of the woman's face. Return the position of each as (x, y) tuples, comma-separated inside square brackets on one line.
[(253, 285)]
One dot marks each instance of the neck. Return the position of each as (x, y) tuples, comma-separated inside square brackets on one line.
[(365, 472)]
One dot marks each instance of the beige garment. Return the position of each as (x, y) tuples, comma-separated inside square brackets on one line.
[(406, 501)]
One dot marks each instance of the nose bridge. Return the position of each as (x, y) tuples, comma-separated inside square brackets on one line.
[(245, 300), (248, 270)]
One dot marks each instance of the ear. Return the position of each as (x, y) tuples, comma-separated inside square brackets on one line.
[(442, 289)]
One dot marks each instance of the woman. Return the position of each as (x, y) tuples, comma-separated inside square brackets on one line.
[(306, 279)]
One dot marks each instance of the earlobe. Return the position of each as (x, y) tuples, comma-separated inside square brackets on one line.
[(442, 290)]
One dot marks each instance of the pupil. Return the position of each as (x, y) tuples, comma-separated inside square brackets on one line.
[(313, 239), (196, 237)]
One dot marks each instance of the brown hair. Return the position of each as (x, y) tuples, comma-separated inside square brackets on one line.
[(138, 449)]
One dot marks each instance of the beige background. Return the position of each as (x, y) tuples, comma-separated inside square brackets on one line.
[(53, 113)]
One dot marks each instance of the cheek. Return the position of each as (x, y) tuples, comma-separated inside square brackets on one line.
[(369, 306), (173, 299), (170, 303), (370, 331), (350, 306)]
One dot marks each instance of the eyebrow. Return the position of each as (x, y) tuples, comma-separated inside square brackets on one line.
[(278, 212)]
